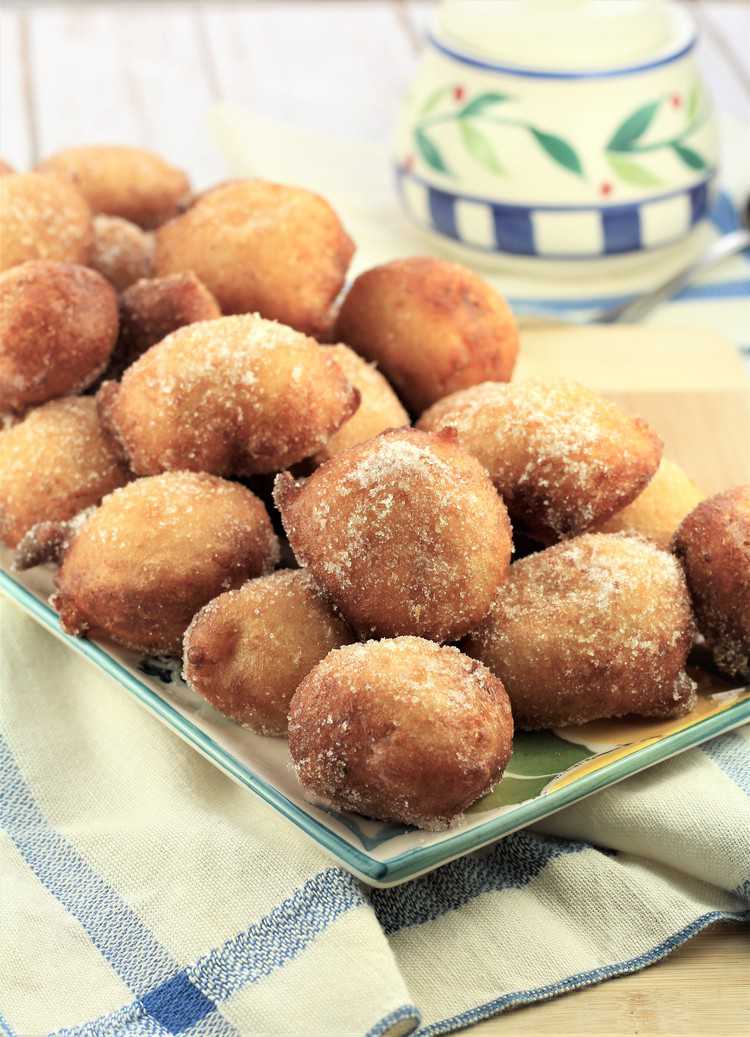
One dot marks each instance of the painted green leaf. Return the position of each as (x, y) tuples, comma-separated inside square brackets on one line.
[(434, 99), (628, 132), (429, 151), (538, 757), (479, 147), (690, 157), (559, 150), (478, 104), (693, 102), (630, 171)]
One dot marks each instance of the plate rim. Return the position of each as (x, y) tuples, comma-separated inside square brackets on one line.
[(412, 862)]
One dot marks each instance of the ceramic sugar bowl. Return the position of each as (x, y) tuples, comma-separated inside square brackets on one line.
[(552, 130)]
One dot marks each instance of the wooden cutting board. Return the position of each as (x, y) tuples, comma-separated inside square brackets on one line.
[(690, 385)]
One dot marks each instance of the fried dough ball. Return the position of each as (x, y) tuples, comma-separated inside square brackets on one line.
[(5, 167), (133, 183), (713, 544), (258, 246), (379, 407), (593, 628), (123, 253), (563, 457), (658, 510), (156, 551), (432, 326), (53, 464), (247, 650), (237, 395), (42, 217), (402, 730), (58, 326), (405, 533), (152, 309)]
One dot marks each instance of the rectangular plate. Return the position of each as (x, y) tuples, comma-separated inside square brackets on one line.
[(548, 771)]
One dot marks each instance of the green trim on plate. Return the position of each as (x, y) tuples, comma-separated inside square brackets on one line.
[(411, 863)]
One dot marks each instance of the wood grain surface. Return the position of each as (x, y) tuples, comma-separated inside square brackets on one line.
[(145, 74)]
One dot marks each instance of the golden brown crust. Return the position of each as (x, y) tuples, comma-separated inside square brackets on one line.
[(379, 407), (258, 246), (596, 627), (123, 253), (659, 508), (713, 545), (405, 533), (236, 395), (156, 551), (433, 327), (247, 650), (563, 457), (5, 167), (42, 217), (401, 730), (133, 183), (53, 464), (58, 326)]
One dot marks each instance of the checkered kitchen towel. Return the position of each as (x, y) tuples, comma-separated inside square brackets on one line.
[(142, 892)]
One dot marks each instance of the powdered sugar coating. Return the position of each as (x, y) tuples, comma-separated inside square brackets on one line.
[(58, 327), (405, 533), (247, 650), (122, 252), (237, 395), (400, 729), (563, 457), (155, 552), (54, 463), (42, 217), (599, 626), (713, 544)]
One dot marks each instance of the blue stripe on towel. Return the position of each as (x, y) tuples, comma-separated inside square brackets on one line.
[(112, 926), (581, 979), (509, 864), (731, 753)]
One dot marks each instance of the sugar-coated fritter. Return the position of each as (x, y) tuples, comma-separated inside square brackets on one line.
[(596, 627), (258, 246), (153, 553), (42, 217), (402, 730), (53, 464), (405, 533), (379, 407), (58, 327), (123, 252), (247, 650), (433, 327), (153, 308), (563, 457), (133, 183), (238, 395), (658, 510), (713, 544)]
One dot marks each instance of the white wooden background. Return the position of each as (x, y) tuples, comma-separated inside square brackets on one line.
[(147, 74)]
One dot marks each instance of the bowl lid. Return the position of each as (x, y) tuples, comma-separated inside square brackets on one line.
[(564, 35)]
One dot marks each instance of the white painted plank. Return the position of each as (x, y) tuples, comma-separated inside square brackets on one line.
[(124, 74), (337, 66), (16, 138)]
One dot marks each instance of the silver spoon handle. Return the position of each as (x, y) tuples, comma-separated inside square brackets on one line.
[(630, 312)]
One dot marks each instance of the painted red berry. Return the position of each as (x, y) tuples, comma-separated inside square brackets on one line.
[(605, 188), (676, 101), (459, 93)]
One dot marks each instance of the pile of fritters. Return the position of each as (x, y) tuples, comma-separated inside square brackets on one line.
[(187, 400)]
